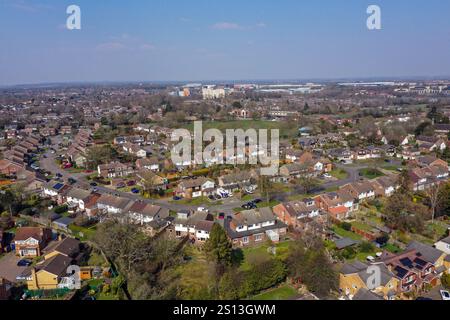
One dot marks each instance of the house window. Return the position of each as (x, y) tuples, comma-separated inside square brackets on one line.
[(258, 237), (245, 240)]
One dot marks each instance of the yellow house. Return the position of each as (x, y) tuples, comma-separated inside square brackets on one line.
[(355, 276), (68, 247), (48, 275)]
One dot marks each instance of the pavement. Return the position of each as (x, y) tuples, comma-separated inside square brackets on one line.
[(9, 269)]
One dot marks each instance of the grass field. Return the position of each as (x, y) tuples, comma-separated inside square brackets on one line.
[(370, 173), (339, 174), (282, 293), (286, 131)]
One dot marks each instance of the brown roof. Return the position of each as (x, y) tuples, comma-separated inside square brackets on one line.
[(68, 247), (56, 265), (25, 233)]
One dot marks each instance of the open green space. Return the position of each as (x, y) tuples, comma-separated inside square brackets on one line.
[(282, 293)]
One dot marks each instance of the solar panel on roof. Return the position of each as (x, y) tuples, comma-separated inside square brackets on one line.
[(420, 262), (400, 271), (406, 262), (58, 186)]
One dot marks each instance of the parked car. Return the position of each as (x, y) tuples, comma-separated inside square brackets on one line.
[(445, 295), (176, 198), (221, 216), (135, 190), (131, 183), (24, 263), (72, 180), (93, 184)]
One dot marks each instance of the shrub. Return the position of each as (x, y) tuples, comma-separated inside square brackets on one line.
[(366, 247), (445, 280), (61, 209), (346, 226)]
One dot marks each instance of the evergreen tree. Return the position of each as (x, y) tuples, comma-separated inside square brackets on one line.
[(218, 247)]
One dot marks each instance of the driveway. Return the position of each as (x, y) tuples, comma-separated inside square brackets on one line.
[(8, 267)]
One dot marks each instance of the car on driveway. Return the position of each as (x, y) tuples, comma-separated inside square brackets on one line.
[(135, 191), (445, 295), (24, 263), (93, 184), (176, 198)]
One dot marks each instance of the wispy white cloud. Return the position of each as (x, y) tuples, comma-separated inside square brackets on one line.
[(226, 26), (28, 6), (125, 42), (236, 26)]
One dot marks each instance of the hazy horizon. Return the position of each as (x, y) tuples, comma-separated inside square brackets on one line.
[(175, 41)]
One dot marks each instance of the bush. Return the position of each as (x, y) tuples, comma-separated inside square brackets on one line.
[(445, 280), (61, 209), (366, 247), (346, 226)]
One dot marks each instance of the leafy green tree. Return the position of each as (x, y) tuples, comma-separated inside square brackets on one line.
[(218, 247), (445, 280), (321, 278)]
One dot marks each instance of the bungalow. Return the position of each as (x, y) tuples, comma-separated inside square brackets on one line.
[(29, 241), (194, 188), (114, 170), (251, 227)]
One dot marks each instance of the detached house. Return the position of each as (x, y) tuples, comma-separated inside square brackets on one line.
[(194, 188), (296, 213), (360, 190), (78, 197), (152, 164), (30, 241), (112, 204), (255, 226), (144, 213), (354, 276)]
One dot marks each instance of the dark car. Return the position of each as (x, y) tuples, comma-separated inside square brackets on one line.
[(24, 263), (135, 190), (93, 184), (221, 216), (59, 175), (72, 180), (176, 198), (131, 183)]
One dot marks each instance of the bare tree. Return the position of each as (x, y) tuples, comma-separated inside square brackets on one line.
[(433, 194)]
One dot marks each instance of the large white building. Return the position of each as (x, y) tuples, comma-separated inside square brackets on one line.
[(213, 92)]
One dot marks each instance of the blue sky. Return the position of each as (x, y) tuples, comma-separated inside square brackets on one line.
[(169, 40)]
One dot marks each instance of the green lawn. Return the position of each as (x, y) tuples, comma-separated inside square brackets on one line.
[(362, 226), (286, 131), (392, 248), (339, 174), (370, 173), (261, 251), (86, 233), (266, 204), (282, 293), (346, 234)]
